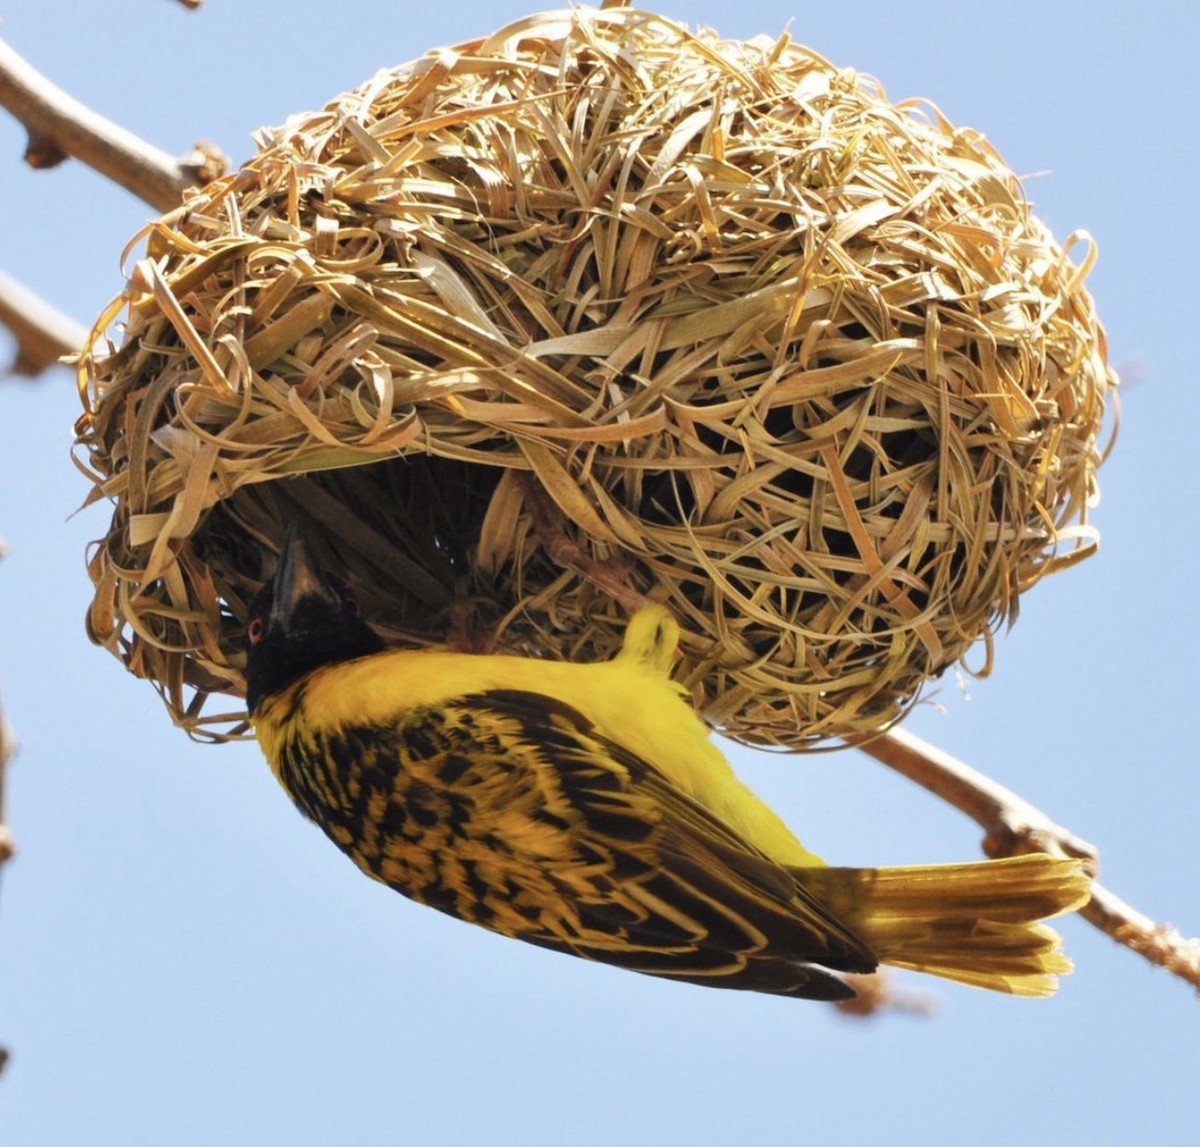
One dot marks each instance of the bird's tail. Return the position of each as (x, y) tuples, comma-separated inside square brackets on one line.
[(975, 923)]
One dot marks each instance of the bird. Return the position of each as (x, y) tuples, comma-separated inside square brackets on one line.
[(585, 808)]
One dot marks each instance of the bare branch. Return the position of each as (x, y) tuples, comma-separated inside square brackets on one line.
[(43, 333), (60, 126), (7, 748), (1013, 826)]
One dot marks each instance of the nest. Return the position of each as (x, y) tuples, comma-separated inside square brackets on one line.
[(593, 310)]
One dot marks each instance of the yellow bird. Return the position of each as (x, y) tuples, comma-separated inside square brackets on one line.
[(584, 808)]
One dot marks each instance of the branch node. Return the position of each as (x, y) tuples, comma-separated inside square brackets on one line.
[(1017, 836), (42, 152), (204, 163)]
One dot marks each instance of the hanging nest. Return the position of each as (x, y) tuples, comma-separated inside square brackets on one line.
[(591, 310)]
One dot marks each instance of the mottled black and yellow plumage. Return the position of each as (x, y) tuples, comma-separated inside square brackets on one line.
[(584, 808)]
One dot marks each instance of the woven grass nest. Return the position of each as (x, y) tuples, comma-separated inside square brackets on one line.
[(592, 310)]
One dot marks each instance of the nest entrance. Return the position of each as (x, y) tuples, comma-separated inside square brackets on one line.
[(400, 531)]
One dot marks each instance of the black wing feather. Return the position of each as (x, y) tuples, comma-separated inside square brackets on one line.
[(732, 917)]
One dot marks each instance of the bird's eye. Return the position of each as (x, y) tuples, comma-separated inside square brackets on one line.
[(255, 629)]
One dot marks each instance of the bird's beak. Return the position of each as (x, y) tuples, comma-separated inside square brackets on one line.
[(298, 577)]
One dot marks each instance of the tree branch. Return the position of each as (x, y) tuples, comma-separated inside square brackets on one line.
[(7, 748), (60, 126), (1013, 826), (43, 333)]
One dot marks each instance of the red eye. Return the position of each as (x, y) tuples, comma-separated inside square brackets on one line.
[(255, 630)]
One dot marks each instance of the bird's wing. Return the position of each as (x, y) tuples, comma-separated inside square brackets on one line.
[(651, 880)]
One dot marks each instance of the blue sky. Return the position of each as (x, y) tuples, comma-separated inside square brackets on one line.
[(184, 961)]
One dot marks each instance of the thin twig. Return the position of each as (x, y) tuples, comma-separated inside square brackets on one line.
[(610, 575), (1013, 826), (60, 126), (7, 748), (43, 333)]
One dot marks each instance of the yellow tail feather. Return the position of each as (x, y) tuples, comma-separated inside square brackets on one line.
[(976, 923)]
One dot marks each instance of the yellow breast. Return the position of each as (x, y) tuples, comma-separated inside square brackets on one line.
[(628, 701)]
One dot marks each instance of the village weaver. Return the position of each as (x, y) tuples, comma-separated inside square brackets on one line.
[(583, 808)]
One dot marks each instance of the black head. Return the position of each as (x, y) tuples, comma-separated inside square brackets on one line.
[(302, 619)]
